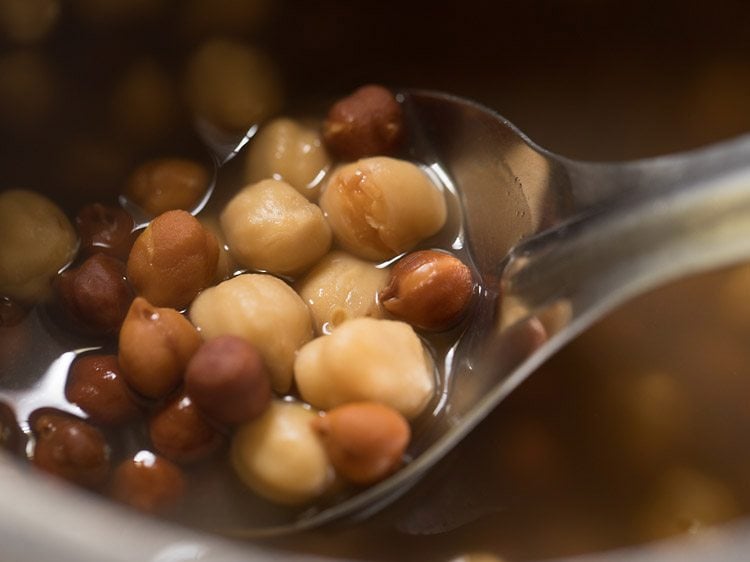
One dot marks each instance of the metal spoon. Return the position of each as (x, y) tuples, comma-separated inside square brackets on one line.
[(556, 243)]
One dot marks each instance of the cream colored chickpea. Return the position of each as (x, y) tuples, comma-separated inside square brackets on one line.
[(271, 227), (232, 85), (287, 150), (280, 456), (341, 287), (261, 309), (367, 359), (37, 241), (380, 207)]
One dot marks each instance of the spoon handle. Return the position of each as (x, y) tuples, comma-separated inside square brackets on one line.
[(594, 184), (652, 221)]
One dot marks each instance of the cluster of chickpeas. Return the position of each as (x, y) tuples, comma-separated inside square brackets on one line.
[(293, 327)]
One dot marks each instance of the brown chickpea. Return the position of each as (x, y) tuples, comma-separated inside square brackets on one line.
[(97, 387), (364, 440), (70, 448), (96, 295), (367, 123), (148, 482), (429, 290), (155, 347), (173, 260), (167, 184), (180, 433), (105, 229), (228, 380)]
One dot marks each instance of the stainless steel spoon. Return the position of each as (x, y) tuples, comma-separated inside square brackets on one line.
[(556, 243)]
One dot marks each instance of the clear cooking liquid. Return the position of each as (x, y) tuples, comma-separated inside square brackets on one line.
[(635, 432), (36, 375)]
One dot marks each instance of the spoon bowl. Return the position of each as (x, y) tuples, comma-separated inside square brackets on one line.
[(555, 244)]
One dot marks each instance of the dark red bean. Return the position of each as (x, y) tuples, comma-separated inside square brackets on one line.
[(228, 381), (180, 433), (97, 387), (96, 295), (70, 448), (148, 482)]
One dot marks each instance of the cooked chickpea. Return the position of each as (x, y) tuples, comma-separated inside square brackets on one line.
[(148, 482), (341, 287), (95, 295), (280, 456), (367, 123), (264, 311), (70, 448), (287, 150), (380, 207), (173, 260), (429, 290), (167, 184), (179, 432), (105, 229), (228, 381), (269, 226), (367, 359), (155, 347), (231, 85), (96, 386), (37, 241), (364, 440)]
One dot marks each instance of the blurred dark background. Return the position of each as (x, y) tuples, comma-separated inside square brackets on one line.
[(590, 79)]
